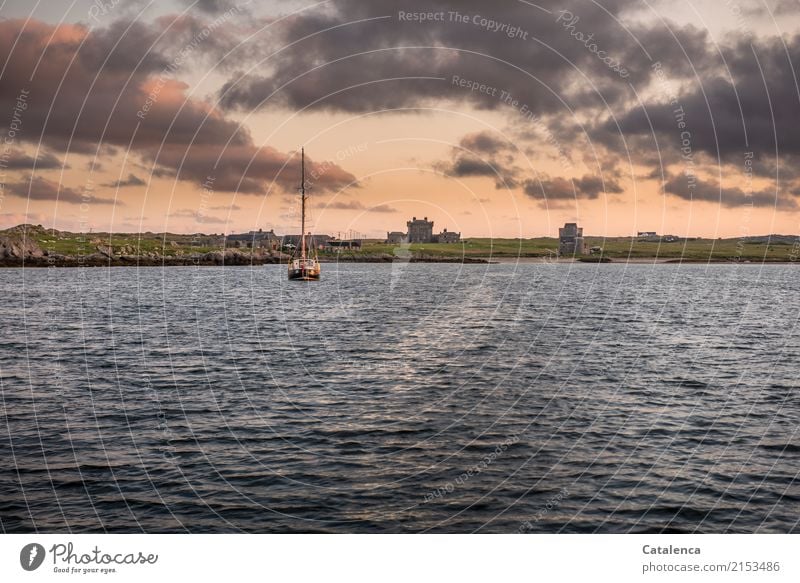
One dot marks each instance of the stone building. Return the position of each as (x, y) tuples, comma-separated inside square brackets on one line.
[(448, 237), (570, 240), (420, 230), (254, 239), (396, 238)]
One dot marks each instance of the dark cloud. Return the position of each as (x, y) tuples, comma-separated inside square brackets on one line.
[(131, 180), (89, 91), (482, 154), (484, 143), (213, 6), (467, 165), (19, 160), (695, 189), (249, 170), (37, 188), (362, 56), (592, 186), (103, 90), (555, 190), (206, 37), (750, 105)]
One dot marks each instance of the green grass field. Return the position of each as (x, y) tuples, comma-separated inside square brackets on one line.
[(619, 248), (64, 243), (781, 248)]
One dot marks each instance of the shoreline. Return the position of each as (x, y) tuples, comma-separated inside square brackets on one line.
[(35, 246), (245, 261)]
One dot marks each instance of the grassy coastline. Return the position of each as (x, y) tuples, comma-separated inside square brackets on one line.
[(618, 249), (38, 245)]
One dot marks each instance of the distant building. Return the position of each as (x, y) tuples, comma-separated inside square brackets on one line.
[(396, 238), (648, 236), (254, 239), (447, 237), (335, 244), (652, 236), (570, 240), (314, 241), (420, 231)]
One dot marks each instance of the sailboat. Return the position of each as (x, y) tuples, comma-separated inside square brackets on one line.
[(304, 267)]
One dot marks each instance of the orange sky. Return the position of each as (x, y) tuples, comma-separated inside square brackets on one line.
[(390, 155)]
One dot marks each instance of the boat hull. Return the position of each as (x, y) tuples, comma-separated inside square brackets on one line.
[(304, 274)]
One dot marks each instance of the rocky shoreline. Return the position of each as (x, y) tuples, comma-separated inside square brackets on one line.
[(27, 256), (216, 258), (35, 246), (21, 247)]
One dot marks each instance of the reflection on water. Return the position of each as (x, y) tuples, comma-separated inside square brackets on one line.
[(492, 398)]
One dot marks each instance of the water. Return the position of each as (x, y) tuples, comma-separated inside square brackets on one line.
[(401, 398)]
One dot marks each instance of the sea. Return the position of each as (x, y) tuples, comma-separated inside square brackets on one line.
[(401, 398)]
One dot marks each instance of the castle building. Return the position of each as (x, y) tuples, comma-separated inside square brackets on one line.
[(420, 230), (570, 240)]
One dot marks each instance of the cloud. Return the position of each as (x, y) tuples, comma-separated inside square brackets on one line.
[(751, 104), (214, 6), (131, 180), (360, 56), (382, 208), (769, 9), (556, 189), (226, 207), (18, 160), (355, 205), (731, 197), (249, 170), (91, 90), (484, 143), (737, 97), (478, 154), (467, 165), (37, 188), (105, 89)]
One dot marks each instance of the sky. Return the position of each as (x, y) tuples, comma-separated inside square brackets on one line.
[(502, 119)]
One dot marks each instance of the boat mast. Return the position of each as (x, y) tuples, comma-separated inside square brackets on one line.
[(303, 199)]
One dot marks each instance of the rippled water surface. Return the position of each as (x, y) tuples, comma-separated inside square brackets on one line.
[(401, 398)]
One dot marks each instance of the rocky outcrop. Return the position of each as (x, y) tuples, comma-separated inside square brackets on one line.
[(105, 250), (19, 244)]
